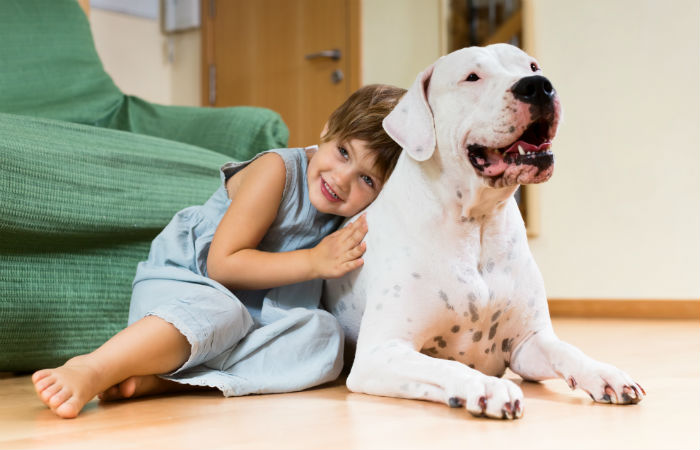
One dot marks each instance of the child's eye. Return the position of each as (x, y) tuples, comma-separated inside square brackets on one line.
[(368, 180), (343, 152)]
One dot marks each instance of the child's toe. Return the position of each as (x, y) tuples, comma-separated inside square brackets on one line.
[(44, 383), (69, 409), (46, 394), (59, 398), (40, 374)]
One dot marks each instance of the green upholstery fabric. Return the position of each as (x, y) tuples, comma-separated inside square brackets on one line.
[(88, 177), (210, 128), (49, 66)]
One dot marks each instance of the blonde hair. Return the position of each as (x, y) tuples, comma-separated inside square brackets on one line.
[(360, 117)]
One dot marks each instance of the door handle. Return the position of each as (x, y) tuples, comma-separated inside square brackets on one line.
[(330, 54)]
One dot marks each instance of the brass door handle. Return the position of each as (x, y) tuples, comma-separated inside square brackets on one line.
[(330, 54)]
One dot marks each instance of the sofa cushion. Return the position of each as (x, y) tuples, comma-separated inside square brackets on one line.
[(49, 66), (80, 206)]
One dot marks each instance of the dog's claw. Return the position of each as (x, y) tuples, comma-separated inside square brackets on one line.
[(455, 402), (482, 408), (642, 389), (507, 411), (571, 381), (518, 409), (630, 394), (609, 393)]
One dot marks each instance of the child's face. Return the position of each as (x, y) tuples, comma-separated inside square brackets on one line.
[(341, 178)]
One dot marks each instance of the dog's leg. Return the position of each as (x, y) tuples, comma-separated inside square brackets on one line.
[(543, 356), (395, 368)]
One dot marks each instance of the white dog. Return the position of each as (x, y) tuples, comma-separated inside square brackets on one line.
[(449, 295)]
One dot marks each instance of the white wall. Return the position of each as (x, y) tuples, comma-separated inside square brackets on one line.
[(400, 38), (621, 215), (144, 62)]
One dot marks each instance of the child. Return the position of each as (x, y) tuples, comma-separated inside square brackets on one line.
[(229, 295)]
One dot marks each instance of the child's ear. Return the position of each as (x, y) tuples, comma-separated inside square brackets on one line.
[(410, 123)]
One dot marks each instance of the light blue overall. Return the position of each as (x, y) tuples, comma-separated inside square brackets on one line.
[(243, 342)]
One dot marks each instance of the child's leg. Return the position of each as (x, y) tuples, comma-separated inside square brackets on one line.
[(139, 386), (301, 349), (149, 346)]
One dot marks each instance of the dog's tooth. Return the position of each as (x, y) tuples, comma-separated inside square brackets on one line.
[(520, 150)]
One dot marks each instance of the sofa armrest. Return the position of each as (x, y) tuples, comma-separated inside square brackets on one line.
[(239, 132), (79, 207)]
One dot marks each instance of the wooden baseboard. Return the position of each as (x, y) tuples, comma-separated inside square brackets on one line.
[(633, 309)]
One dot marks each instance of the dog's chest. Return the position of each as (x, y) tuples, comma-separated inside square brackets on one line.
[(482, 302)]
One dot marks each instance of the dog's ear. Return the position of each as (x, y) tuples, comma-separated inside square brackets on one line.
[(410, 123)]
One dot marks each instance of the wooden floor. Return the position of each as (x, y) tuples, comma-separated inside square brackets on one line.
[(663, 356)]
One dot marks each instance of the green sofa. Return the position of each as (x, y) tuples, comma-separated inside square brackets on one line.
[(88, 177)]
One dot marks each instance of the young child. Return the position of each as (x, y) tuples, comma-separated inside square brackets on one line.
[(229, 295)]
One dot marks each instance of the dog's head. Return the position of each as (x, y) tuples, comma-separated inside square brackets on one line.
[(487, 108)]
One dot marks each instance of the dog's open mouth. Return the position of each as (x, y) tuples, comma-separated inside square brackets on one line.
[(525, 161)]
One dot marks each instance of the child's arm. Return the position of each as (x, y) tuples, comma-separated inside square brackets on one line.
[(233, 259)]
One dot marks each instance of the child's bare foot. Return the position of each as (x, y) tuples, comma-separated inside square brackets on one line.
[(68, 388), (140, 386)]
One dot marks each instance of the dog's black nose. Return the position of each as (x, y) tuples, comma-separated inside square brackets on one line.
[(535, 90)]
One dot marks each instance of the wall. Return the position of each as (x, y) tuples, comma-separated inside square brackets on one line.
[(400, 38), (144, 62), (621, 215)]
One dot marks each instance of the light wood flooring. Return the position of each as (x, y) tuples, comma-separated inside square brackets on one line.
[(662, 355)]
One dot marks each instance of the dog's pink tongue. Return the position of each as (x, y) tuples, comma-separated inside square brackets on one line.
[(496, 164)]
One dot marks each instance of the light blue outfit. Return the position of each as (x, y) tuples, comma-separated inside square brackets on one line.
[(243, 342)]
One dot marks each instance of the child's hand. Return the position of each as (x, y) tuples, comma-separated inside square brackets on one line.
[(340, 252)]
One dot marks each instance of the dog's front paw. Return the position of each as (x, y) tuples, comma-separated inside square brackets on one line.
[(607, 384), (491, 397)]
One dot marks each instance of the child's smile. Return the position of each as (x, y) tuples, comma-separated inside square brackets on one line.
[(328, 192), (342, 179)]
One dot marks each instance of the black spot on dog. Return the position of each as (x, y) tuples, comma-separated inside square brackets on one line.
[(506, 344), (431, 350), (440, 341), (489, 266), (455, 329), (476, 337), (492, 331), (493, 347), (444, 298), (496, 315), (459, 194), (415, 275), (474, 313)]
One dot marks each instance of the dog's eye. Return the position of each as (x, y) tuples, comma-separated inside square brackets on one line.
[(534, 67), (473, 77)]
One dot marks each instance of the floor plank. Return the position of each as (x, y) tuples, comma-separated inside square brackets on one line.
[(662, 355)]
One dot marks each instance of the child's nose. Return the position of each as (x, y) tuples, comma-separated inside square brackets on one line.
[(343, 178)]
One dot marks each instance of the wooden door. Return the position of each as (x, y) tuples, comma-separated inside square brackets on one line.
[(297, 57)]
